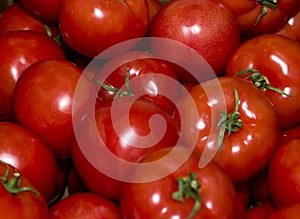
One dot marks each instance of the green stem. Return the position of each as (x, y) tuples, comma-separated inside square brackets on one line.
[(266, 4), (188, 187), (229, 122)]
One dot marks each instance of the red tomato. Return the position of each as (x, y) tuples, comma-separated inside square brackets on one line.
[(271, 62), (103, 23), (243, 192), (47, 9), (178, 194), (284, 173), (154, 6), (291, 211), (290, 133), (207, 26), (231, 126), (261, 16), (20, 49), (25, 152), (261, 211), (19, 201), (43, 102), (124, 143)]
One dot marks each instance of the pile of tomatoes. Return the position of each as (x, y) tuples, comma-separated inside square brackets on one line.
[(141, 109)]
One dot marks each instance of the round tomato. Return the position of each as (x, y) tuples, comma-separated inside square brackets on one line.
[(188, 192), (85, 205), (272, 64), (284, 173), (43, 102), (25, 152), (47, 9), (207, 26), (91, 26), (290, 133), (260, 211), (291, 211), (20, 49), (231, 126), (19, 198)]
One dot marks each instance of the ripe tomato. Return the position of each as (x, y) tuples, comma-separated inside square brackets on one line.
[(47, 9), (284, 173), (25, 152), (103, 23), (127, 142), (207, 26), (290, 211), (188, 192), (231, 126), (290, 133), (261, 16), (43, 102), (85, 205), (261, 211), (20, 49), (19, 198), (271, 62)]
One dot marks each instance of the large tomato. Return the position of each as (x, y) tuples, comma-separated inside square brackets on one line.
[(232, 126), (20, 49), (91, 26), (43, 102), (19, 197), (207, 26), (188, 192), (272, 63), (24, 151)]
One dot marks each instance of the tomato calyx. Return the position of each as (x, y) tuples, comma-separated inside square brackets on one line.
[(13, 185), (229, 122), (117, 91), (188, 187), (50, 34), (259, 80), (266, 4)]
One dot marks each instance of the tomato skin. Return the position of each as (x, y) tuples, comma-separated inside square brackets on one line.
[(47, 9), (86, 206), (186, 21), (20, 49), (241, 153), (154, 199), (260, 211), (290, 211), (275, 58), (24, 204), (25, 152), (283, 173), (43, 102), (103, 23), (290, 133)]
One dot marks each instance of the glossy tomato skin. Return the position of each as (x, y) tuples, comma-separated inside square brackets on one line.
[(20, 49), (275, 58), (47, 9), (122, 143), (261, 211), (24, 204), (85, 205), (34, 160), (207, 26), (90, 27), (283, 173), (290, 211), (154, 199), (245, 152), (290, 133), (43, 102)]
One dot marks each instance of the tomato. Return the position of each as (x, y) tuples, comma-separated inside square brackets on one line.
[(19, 198), (271, 62), (85, 206), (290, 211), (91, 26), (187, 21), (154, 6), (127, 142), (284, 173), (24, 151), (20, 49), (290, 133), (47, 9), (243, 192), (261, 211), (231, 126), (261, 16), (139, 64), (43, 102), (188, 192), (291, 28)]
